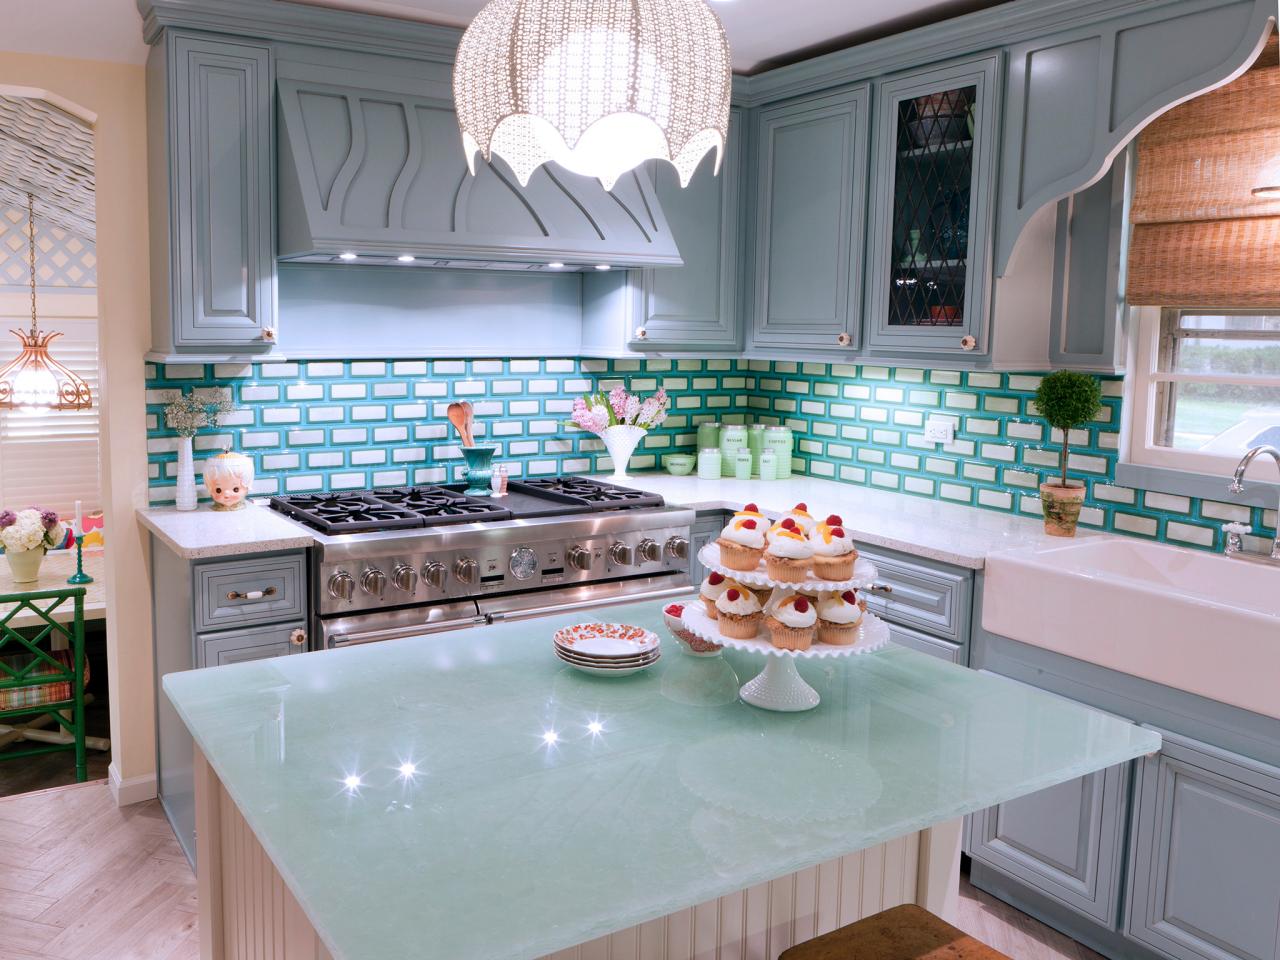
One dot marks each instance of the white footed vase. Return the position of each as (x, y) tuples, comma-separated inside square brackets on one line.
[(186, 493), (621, 441), (25, 564)]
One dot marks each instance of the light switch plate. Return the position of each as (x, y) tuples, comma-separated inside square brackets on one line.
[(940, 429)]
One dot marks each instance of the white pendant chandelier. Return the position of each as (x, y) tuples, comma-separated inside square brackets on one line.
[(598, 86)]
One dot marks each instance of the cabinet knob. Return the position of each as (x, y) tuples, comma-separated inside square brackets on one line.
[(642, 333), (298, 638), (269, 334), (968, 343), (844, 339)]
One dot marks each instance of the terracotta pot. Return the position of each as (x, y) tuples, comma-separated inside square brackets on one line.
[(1061, 508)]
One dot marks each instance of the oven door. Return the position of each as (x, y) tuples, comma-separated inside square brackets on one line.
[(544, 603), (397, 624)]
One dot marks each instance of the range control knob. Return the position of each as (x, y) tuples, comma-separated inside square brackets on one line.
[(373, 582), (678, 548), (405, 578), (466, 570), (649, 551), (434, 574), (342, 586), (579, 558), (523, 563), (621, 554)]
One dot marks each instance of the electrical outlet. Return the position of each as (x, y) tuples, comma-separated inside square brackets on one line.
[(940, 429)]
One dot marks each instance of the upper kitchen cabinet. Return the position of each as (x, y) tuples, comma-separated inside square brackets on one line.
[(371, 163), (696, 306), (930, 235), (212, 196), (811, 185)]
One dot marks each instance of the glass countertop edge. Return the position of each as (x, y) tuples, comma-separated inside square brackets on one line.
[(572, 936)]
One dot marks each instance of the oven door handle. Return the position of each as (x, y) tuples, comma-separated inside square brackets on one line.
[(354, 637), (526, 613)]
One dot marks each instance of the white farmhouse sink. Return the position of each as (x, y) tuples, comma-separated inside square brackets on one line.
[(1197, 621)]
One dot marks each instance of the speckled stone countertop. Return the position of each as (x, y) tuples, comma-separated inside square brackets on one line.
[(200, 534), (934, 529)]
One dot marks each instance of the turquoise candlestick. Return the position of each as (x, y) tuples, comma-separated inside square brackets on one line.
[(79, 576)]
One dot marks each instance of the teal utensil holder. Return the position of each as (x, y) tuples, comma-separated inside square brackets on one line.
[(479, 470)]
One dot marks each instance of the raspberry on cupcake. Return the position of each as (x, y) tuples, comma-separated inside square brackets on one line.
[(791, 623), (839, 618), (833, 550), (786, 523), (714, 585), (742, 543), (739, 614), (789, 556), (802, 517)]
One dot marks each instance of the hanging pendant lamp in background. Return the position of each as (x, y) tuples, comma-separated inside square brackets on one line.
[(34, 380), (598, 86)]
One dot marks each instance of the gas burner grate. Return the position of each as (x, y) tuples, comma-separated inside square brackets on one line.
[(601, 496), (440, 505), (346, 513)]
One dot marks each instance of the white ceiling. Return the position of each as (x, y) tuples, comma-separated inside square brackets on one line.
[(761, 32)]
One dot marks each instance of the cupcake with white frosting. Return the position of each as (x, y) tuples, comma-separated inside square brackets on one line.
[(802, 517), (742, 543), (789, 556), (833, 550), (839, 617), (738, 614), (712, 587), (791, 622)]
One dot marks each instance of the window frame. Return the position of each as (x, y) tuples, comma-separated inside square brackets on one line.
[(1143, 389)]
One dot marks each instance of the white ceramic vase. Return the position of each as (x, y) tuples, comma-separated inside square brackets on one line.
[(621, 441), (186, 494), (25, 564)]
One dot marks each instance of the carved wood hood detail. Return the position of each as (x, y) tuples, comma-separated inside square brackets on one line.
[(381, 173)]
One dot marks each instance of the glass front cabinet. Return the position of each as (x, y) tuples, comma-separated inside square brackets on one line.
[(931, 225)]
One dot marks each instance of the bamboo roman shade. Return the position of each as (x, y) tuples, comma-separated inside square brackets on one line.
[(1199, 237)]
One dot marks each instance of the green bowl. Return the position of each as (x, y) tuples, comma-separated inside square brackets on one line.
[(679, 464)]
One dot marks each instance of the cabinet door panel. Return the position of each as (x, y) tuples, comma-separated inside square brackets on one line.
[(697, 305), (240, 646), (811, 197), (942, 649), (929, 246), (223, 200), (1205, 874), (1064, 841)]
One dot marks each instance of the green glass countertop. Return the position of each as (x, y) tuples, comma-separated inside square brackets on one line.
[(547, 807)]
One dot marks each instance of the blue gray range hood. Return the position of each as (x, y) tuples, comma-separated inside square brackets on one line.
[(380, 173)]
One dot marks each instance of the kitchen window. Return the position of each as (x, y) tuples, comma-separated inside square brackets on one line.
[(1206, 388)]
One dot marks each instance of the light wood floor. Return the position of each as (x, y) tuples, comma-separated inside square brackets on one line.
[(81, 879)]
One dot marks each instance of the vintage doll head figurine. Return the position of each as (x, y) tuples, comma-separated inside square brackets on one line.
[(228, 478)]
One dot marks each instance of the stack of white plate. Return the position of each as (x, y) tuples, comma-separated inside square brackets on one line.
[(607, 649)]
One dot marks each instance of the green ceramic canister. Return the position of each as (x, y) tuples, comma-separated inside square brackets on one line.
[(708, 434), (733, 437), (779, 440), (755, 443)]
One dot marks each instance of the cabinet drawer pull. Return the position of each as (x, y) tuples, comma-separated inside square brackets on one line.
[(880, 588), (642, 333), (298, 637), (252, 594), (968, 343), (843, 339)]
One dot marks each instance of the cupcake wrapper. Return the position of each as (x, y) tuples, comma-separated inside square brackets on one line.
[(739, 627), (785, 569), (789, 638), (710, 607), (735, 556), (837, 634), (835, 568)]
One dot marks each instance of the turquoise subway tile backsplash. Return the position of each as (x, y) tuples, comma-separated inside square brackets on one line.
[(345, 425)]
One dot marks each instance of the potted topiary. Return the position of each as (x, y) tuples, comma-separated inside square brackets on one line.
[(1066, 400)]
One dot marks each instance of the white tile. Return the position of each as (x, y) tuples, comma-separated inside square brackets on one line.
[(409, 368), (1131, 523), (368, 368), (390, 434), (1188, 533), (1165, 501), (368, 458), (350, 435), (301, 438), (348, 391), (315, 369)]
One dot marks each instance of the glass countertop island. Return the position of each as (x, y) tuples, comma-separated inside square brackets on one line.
[(467, 795)]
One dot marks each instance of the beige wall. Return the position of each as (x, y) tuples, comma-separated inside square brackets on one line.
[(111, 96)]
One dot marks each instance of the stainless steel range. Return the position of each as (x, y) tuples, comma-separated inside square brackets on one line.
[(403, 561)]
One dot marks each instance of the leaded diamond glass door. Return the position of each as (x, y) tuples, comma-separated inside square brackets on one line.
[(931, 221)]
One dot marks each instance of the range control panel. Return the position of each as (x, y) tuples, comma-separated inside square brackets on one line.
[(395, 580)]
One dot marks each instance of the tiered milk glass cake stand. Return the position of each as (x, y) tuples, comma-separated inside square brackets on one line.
[(779, 685)]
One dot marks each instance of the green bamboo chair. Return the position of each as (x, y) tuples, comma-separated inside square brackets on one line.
[(35, 679)]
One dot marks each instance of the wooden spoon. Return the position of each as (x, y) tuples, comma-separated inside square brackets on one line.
[(470, 414), (458, 417)]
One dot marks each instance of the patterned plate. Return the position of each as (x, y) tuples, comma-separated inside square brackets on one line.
[(606, 640)]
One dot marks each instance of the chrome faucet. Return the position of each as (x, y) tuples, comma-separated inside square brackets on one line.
[(1237, 483)]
